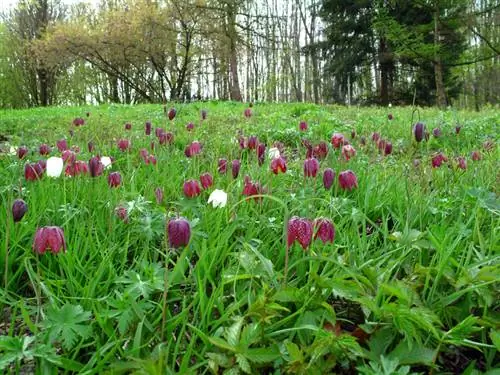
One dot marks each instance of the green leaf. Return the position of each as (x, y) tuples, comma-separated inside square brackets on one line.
[(232, 333), (243, 363), (220, 343), (294, 352), (495, 338), (67, 324), (412, 355), (262, 355)]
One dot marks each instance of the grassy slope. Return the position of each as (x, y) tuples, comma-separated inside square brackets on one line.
[(416, 249)]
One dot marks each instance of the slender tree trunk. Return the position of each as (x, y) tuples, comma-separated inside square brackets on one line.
[(438, 66)]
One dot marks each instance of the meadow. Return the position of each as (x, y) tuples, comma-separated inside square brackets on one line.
[(121, 265)]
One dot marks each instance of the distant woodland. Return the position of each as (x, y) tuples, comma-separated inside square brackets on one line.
[(423, 52)]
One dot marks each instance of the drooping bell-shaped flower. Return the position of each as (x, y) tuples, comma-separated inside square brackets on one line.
[(171, 113), (278, 165), (191, 188), (114, 179), (55, 166), (194, 148), (159, 131), (49, 239), (19, 208), (324, 230), (348, 180), (203, 114), (128, 126), (390, 116), (235, 168), (22, 151), (218, 198), (79, 121), (166, 138), (300, 230), (328, 177), (461, 162), (76, 168), (123, 144), (62, 145), (68, 156), (33, 171), (419, 131), (252, 142), (44, 149), (436, 132), (206, 180), (311, 167), (147, 127), (348, 152), (189, 126), (90, 146), (457, 129), (248, 112), (96, 167), (438, 159), (337, 140), (388, 148), (222, 166), (122, 213), (179, 232), (252, 188), (320, 151), (375, 137), (476, 155), (303, 126), (159, 195), (261, 152)]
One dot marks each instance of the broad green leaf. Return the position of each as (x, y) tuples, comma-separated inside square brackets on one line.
[(262, 355), (412, 355), (233, 332)]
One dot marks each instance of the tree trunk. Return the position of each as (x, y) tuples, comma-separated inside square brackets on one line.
[(438, 66)]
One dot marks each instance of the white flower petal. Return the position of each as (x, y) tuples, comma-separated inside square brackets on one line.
[(54, 166), (106, 161), (218, 198)]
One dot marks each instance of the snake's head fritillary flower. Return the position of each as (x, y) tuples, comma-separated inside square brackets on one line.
[(22, 151), (328, 178), (303, 126), (222, 166), (19, 208), (206, 180), (348, 152), (476, 155), (438, 159), (114, 179), (300, 230), (49, 239), (62, 145), (324, 230), (311, 167), (191, 188), (419, 131), (171, 113), (348, 180), (44, 149), (337, 140), (179, 232), (278, 165), (235, 167), (147, 127)]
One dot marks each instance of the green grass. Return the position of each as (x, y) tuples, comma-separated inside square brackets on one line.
[(410, 284)]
